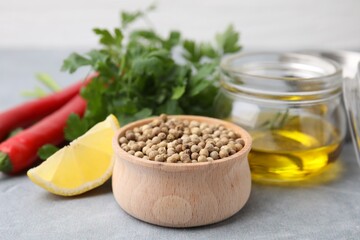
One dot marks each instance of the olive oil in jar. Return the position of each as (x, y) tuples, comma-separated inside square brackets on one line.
[(291, 105), (301, 148)]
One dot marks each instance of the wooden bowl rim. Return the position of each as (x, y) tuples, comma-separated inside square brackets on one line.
[(182, 166)]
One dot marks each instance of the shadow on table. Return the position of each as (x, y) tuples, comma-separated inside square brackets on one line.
[(272, 192)]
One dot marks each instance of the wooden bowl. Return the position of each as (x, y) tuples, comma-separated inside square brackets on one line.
[(182, 194)]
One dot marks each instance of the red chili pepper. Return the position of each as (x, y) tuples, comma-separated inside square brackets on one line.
[(31, 112), (20, 152)]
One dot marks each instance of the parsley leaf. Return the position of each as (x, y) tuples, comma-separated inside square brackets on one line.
[(228, 41), (75, 127), (46, 151), (73, 62), (178, 91)]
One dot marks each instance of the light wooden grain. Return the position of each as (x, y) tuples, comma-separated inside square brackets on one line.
[(184, 194)]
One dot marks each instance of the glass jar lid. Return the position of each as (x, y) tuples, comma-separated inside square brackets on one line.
[(286, 76)]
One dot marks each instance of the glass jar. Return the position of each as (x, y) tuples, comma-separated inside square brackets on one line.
[(291, 105)]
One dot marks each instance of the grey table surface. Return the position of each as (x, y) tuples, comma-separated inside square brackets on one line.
[(327, 208)]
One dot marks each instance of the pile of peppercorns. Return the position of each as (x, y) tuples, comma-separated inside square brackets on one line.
[(180, 141)]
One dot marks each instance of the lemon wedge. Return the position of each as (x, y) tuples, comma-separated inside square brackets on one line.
[(84, 164)]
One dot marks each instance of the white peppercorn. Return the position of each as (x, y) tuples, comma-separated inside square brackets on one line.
[(201, 144), (162, 136), (195, 130), (123, 145), (173, 131), (206, 136), (232, 151), (202, 158), (139, 154), (209, 147), (180, 141), (160, 158), (187, 146), (225, 148), (202, 126), (135, 147), (195, 139), (232, 135), (141, 144), (170, 137), (162, 144), (145, 127), (153, 154), (156, 140), (164, 129), (194, 156), (185, 158), (216, 139), (147, 152), (187, 131), (187, 151), (240, 141), (130, 135), (144, 149), (155, 123), (163, 117), (224, 140), (185, 138), (123, 140), (126, 148), (217, 133), (176, 156), (207, 131), (214, 155), (171, 145), (238, 146), (204, 152), (147, 132), (154, 147), (223, 154), (171, 159), (219, 144), (194, 124), (195, 148), (178, 148), (137, 135), (162, 150)]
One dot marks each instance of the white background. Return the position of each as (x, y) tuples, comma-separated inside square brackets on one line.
[(264, 25)]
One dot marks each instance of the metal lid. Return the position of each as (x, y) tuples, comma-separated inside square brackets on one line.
[(351, 88)]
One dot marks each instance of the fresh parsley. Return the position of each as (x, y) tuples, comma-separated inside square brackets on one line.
[(138, 75)]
